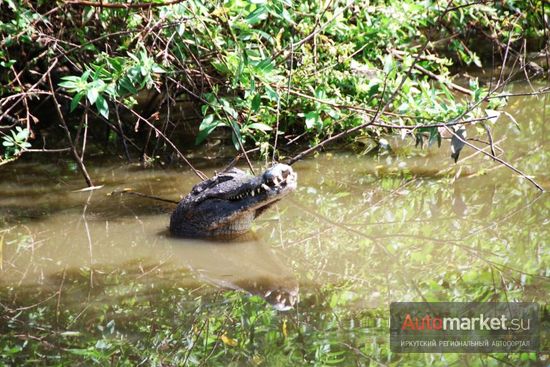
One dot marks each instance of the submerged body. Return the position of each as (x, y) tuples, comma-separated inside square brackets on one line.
[(225, 205)]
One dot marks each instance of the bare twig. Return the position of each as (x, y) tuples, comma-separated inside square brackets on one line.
[(60, 150), (152, 197), (541, 91), (237, 158), (101, 4), (278, 117), (76, 156), (490, 137), (501, 161)]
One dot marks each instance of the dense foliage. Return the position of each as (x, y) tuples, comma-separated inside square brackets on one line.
[(266, 71)]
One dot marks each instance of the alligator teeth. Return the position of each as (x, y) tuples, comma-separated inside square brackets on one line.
[(252, 193), (276, 181), (265, 187)]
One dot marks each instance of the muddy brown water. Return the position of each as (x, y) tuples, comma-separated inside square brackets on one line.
[(407, 224)]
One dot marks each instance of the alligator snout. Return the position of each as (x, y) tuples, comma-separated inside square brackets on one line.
[(282, 299), (281, 175), (225, 205)]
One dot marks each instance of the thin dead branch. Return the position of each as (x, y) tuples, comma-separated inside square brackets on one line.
[(494, 157), (76, 156), (102, 4)]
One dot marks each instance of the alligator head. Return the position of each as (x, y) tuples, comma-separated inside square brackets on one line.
[(225, 205)]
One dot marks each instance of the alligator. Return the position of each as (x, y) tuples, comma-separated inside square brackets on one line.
[(225, 205)]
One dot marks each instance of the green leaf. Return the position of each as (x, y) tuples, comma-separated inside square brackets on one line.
[(71, 78), (257, 15), (313, 120), (102, 106), (206, 122), (265, 66), (91, 353), (85, 76), (127, 85), (203, 134), (68, 85), (259, 126), (264, 35), (236, 136), (477, 94), (240, 69), (207, 125), (271, 93), (11, 351), (256, 102), (220, 67), (22, 134), (388, 64), (76, 100), (92, 95), (157, 69)]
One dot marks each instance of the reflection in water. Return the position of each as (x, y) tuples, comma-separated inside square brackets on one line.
[(251, 266), (459, 206)]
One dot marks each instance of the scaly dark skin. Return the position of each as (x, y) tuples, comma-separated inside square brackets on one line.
[(225, 205)]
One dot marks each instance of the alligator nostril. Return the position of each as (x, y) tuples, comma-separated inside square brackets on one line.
[(285, 173)]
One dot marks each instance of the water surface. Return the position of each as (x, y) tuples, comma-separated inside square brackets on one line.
[(362, 230)]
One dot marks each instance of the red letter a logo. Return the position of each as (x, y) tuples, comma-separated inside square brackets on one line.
[(408, 323)]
